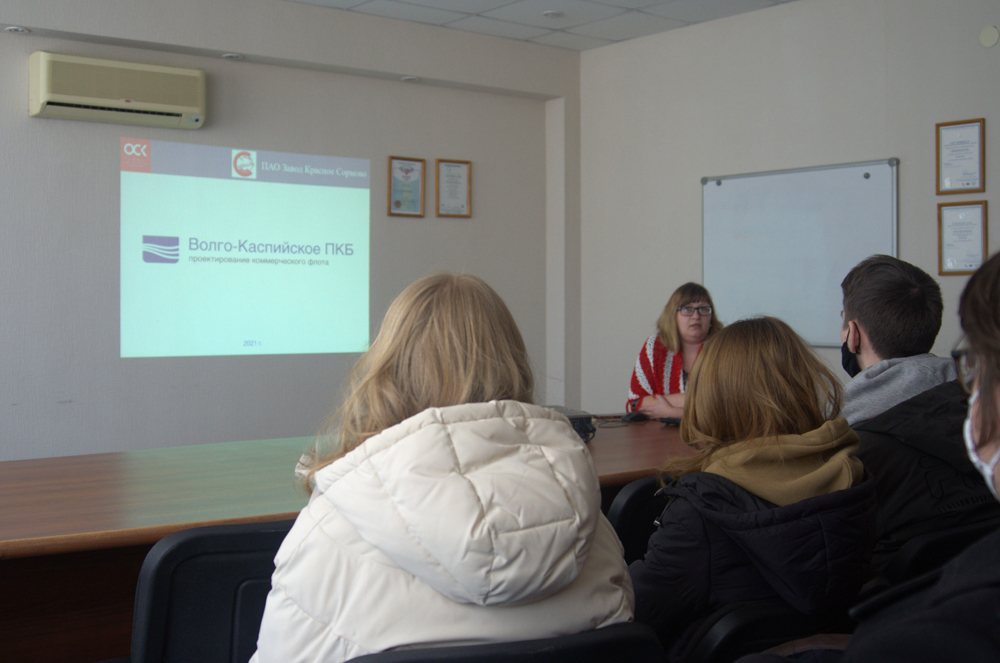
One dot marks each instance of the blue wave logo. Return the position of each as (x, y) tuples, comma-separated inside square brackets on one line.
[(161, 249)]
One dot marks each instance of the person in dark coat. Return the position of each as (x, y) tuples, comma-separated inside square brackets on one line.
[(924, 479), (906, 407), (957, 617), (775, 504), (953, 613)]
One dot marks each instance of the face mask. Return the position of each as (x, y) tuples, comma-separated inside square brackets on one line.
[(984, 468), (849, 361)]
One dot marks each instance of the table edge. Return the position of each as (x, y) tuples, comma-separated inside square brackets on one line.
[(70, 543)]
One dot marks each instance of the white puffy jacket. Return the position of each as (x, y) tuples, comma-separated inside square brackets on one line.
[(466, 524)]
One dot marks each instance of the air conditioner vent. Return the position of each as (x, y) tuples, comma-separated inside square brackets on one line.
[(114, 110)]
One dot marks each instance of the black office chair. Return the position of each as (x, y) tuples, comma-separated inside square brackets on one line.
[(750, 627), (201, 592), (625, 643), (633, 514)]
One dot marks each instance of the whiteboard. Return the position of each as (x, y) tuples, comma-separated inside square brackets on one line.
[(779, 243)]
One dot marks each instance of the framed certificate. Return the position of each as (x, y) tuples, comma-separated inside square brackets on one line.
[(961, 156), (406, 186), (961, 237), (454, 188)]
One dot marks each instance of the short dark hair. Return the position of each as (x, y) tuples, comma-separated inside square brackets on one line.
[(979, 314), (898, 305)]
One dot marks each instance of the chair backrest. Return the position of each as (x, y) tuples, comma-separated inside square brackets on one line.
[(625, 643), (749, 627), (201, 592), (633, 514), (932, 550)]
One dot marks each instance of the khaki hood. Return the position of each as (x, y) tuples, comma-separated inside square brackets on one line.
[(795, 468)]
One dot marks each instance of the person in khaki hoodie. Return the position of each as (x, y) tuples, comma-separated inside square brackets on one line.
[(446, 509), (775, 504)]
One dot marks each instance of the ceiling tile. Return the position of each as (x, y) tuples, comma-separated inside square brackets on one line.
[(465, 6), (407, 12), (571, 41), (336, 4), (628, 4), (696, 11), (575, 12), (627, 26), (491, 26)]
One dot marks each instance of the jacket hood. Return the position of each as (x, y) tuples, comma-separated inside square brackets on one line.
[(814, 552), (794, 467), (892, 381), (488, 503), (929, 422)]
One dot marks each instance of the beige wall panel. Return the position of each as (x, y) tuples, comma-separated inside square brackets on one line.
[(66, 391), (808, 83)]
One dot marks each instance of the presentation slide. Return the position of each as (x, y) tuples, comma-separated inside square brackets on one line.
[(230, 251)]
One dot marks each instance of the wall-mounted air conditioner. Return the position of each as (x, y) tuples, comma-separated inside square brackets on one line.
[(69, 87)]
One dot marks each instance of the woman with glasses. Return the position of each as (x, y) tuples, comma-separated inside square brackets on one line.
[(667, 357), (774, 505)]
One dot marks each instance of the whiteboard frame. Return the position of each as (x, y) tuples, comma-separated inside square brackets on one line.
[(892, 162)]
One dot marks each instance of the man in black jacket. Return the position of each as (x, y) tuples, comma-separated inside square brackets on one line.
[(906, 406), (924, 479)]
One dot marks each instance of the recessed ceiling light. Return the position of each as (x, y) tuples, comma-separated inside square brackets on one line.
[(17, 30), (232, 56), (989, 36), (552, 14), (410, 79)]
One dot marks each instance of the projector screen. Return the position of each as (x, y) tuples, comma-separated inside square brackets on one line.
[(229, 251)]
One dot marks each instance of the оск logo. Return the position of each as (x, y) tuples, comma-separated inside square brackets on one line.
[(245, 164), (161, 249), (135, 155)]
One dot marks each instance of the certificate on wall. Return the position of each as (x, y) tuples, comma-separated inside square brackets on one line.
[(961, 156), (406, 186), (454, 188), (961, 237)]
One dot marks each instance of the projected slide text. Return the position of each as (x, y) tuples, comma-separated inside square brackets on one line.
[(229, 251)]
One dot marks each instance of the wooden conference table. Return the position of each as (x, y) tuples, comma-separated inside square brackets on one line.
[(74, 530)]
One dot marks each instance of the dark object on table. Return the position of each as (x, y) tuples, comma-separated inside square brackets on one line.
[(582, 422), (637, 416)]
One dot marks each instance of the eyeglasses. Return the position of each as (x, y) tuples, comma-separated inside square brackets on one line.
[(688, 311), (967, 365)]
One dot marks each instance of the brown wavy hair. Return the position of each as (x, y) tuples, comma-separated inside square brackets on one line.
[(754, 380), (979, 315), (445, 340), (666, 324)]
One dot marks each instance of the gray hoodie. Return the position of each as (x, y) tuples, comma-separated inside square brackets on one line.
[(892, 381)]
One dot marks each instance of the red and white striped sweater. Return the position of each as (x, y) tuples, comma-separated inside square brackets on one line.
[(657, 371)]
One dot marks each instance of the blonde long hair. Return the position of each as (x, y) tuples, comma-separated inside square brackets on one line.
[(754, 380), (447, 339), (666, 324)]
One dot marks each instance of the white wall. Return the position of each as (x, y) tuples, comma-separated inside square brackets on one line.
[(808, 83), (64, 388)]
